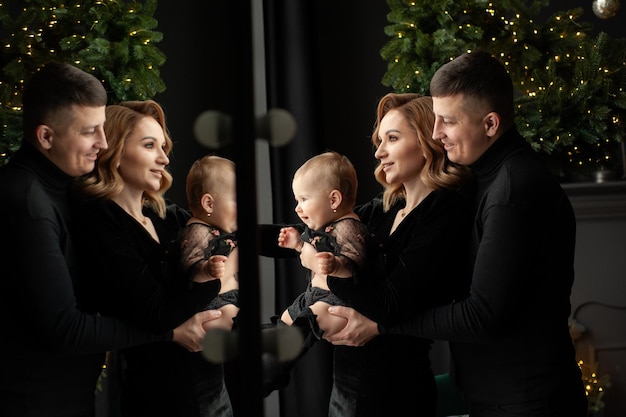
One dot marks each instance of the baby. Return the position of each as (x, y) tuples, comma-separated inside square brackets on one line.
[(208, 242), (334, 241)]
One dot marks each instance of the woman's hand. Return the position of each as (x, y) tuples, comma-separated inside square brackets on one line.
[(358, 331), (190, 334)]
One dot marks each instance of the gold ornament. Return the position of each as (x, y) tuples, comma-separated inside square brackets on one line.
[(605, 9)]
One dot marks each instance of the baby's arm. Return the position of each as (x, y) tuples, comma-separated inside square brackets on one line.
[(225, 268), (289, 237), (214, 267), (352, 239), (325, 263), (208, 270), (308, 259), (193, 262), (337, 266)]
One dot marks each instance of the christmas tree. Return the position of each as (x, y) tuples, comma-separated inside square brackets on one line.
[(112, 39), (570, 85)]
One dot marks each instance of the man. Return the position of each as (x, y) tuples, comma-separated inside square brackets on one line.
[(52, 353), (509, 337)]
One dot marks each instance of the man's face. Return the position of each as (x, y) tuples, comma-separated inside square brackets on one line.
[(73, 145), (461, 129)]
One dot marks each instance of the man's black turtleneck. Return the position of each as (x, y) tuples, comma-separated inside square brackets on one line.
[(513, 326), (51, 353)]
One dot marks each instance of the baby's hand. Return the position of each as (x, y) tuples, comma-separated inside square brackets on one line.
[(288, 237), (326, 263), (215, 266)]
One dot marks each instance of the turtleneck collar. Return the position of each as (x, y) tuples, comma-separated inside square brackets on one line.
[(493, 158), (28, 157)]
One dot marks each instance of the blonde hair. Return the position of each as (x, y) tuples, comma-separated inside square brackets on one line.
[(209, 174), (438, 171), (333, 171), (105, 181)]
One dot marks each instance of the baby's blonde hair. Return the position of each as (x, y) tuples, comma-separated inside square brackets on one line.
[(332, 171), (210, 174)]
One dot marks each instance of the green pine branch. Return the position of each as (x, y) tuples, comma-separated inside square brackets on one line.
[(570, 86)]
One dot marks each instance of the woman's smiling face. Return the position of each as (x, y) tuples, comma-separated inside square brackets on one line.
[(398, 151), (144, 158)]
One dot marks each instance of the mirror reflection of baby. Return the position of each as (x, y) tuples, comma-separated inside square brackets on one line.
[(209, 241)]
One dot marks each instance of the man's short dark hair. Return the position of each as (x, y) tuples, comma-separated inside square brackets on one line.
[(476, 75), (57, 86)]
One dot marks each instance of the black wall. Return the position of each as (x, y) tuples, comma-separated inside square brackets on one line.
[(198, 37)]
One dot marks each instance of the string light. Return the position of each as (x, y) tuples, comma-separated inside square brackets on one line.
[(595, 386)]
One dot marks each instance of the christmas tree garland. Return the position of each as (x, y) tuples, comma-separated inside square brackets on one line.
[(571, 98)]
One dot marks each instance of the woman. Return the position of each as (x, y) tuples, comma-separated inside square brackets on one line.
[(128, 225), (420, 219), (509, 338)]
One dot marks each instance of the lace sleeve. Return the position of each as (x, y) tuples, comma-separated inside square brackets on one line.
[(348, 239), (200, 241), (194, 247), (352, 239)]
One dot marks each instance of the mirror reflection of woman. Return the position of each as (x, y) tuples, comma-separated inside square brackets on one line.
[(130, 258)]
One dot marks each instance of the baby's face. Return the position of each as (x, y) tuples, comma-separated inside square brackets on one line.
[(313, 202), (226, 206)]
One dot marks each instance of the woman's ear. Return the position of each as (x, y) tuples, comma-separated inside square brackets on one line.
[(44, 136), (206, 201)]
